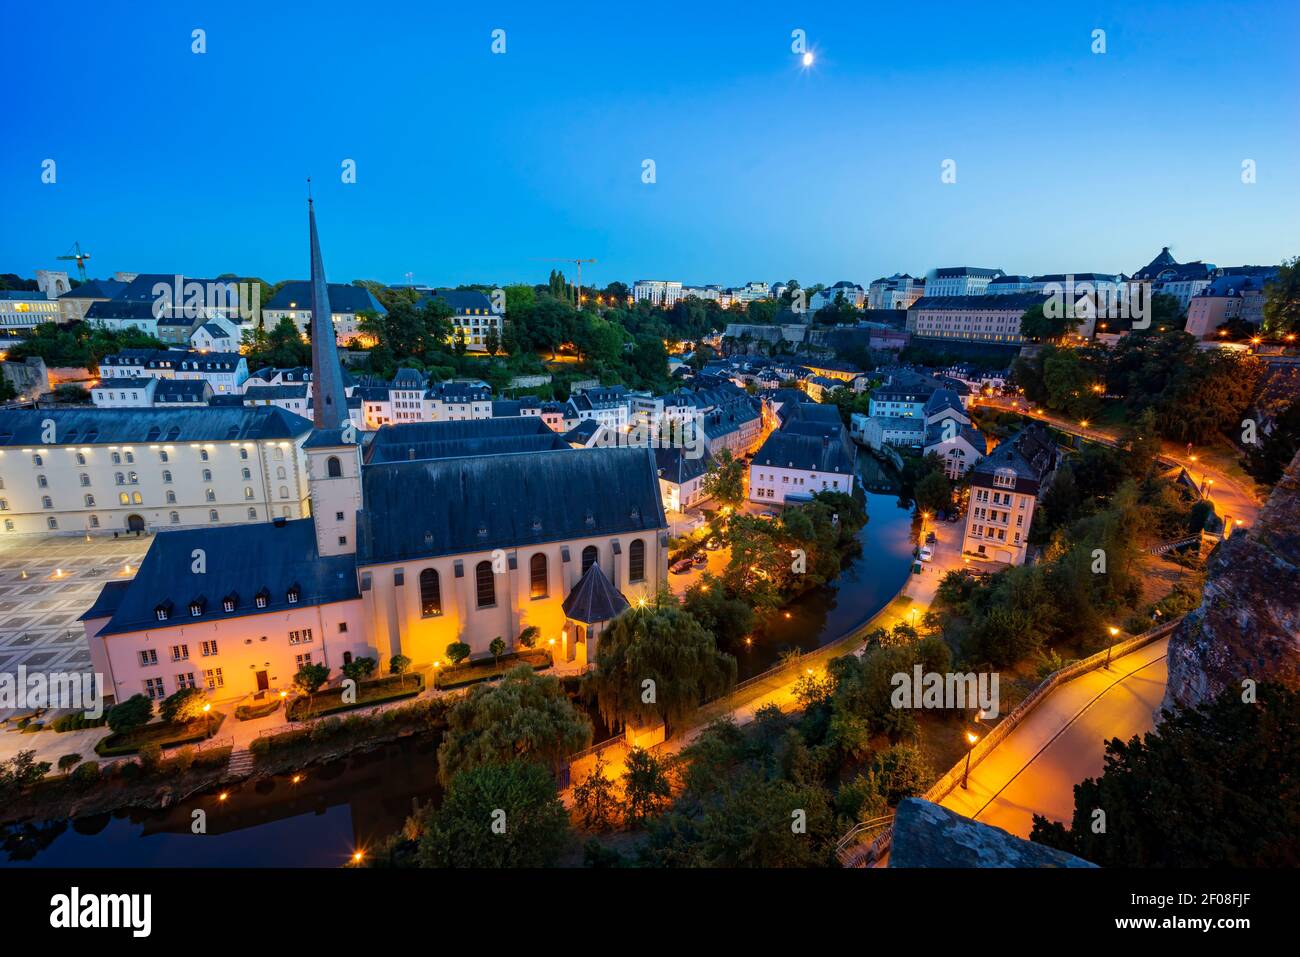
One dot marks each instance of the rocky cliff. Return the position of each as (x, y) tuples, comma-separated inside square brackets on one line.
[(1248, 624), (927, 835)]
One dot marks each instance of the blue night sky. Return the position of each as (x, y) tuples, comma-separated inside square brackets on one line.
[(473, 166)]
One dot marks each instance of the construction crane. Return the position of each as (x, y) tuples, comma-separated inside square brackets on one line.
[(578, 263), (76, 253)]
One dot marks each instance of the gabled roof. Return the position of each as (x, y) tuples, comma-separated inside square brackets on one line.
[(96, 289), (22, 427), (241, 560), (476, 504), (344, 298), (811, 453), (594, 599), (1030, 454), (936, 435), (410, 441), (675, 466)]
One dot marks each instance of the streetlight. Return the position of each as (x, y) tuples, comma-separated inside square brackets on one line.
[(1113, 633), (207, 713), (971, 738)]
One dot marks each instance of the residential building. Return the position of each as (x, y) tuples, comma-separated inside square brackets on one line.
[(974, 318), (21, 312), (1238, 294), (657, 292), (293, 301), (1166, 276), (215, 336), (1005, 488), (854, 295), (226, 372), (959, 281), (800, 459), (898, 291), (74, 304), (681, 478), (118, 469), (472, 317)]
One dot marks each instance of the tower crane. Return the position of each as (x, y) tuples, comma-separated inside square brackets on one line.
[(578, 263), (76, 253)]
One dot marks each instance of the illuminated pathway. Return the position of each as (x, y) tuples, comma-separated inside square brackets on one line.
[(1061, 742)]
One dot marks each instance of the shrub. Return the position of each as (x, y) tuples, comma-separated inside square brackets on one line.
[(257, 709), (86, 775), (68, 762), (77, 721), (185, 705), (150, 757), (131, 713)]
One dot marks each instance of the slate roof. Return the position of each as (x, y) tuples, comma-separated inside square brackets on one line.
[(785, 449), (1016, 300), (936, 434), (344, 297), (1030, 453), (108, 600), (594, 598), (474, 504), (675, 466), (96, 289), (583, 432), (461, 301), (948, 272), (242, 560), (23, 427), (124, 382), (942, 399), (412, 441), (182, 390), (503, 408), (122, 309)]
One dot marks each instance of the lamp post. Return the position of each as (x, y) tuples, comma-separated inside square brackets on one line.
[(971, 738), (207, 714), (1113, 632)]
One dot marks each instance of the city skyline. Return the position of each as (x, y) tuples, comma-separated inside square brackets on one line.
[(766, 170)]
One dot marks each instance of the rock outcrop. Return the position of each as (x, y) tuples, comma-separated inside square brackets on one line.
[(1248, 624), (927, 835)]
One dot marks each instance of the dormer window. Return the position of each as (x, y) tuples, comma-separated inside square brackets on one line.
[(197, 606), (163, 612), (292, 594), (261, 598), (229, 603)]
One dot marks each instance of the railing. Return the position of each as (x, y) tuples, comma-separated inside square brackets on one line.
[(855, 833), (1170, 546), (982, 748)]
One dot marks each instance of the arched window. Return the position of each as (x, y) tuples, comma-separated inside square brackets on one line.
[(279, 472), (485, 585), (636, 561), (589, 556), (333, 467), (430, 593), (284, 491), (537, 576)]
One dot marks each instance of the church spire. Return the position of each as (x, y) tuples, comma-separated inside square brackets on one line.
[(329, 401)]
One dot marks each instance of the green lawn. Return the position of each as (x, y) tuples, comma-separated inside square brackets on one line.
[(162, 733), (376, 691), (486, 669)]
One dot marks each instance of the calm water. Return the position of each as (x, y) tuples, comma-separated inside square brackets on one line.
[(349, 804)]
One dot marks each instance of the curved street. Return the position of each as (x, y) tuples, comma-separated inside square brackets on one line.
[(1062, 741)]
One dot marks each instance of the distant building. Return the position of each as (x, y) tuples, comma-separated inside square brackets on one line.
[(347, 302), (972, 318), (657, 292), (225, 371), (959, 281), (1005, 488), (854, 295), (215, 336), (898, 291), (21, 312), (1239, 294), (800, 459), (681, 478), (472, 317), (74, 303), (1166, 276)]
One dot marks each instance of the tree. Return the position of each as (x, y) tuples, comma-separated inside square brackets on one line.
[(528, 637), (492, 341), (183, 706), (359, 669), (1269, 458), (725, 482), (498, 648), (310, 677), (1282, 305), (1037, 326), (505, 815), (20, 772), (131, 713), (525, 716), (595, 800), (399, 665), (1212, 786), (646, 788), (457, 652), (933, 493), (720, 613), (69, 761), (657, 663)]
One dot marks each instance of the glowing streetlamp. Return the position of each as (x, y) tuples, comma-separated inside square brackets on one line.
[(1114, 632), (207, 713), (971, 738)]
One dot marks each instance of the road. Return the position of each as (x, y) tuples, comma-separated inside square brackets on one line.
[(1230, 496), (1061, 742)]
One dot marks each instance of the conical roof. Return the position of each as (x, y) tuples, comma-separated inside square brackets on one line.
[(594, 599)]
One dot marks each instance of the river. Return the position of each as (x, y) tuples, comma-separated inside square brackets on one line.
[(331, 811)]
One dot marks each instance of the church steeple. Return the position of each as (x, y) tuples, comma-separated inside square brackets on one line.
[(329, 400)]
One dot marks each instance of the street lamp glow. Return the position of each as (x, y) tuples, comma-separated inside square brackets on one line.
[(971, 737)]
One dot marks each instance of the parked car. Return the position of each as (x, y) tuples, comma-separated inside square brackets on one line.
[(682, 567), (929, 538), (713, 544), (926, 554), (767, 515), (699, 558)]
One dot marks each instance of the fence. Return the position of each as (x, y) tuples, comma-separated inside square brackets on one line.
[(982, 748)]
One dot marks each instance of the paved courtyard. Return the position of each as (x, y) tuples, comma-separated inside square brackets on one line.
[(45, 585)]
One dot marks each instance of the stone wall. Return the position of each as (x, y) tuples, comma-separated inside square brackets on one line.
[(1248, 623)]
